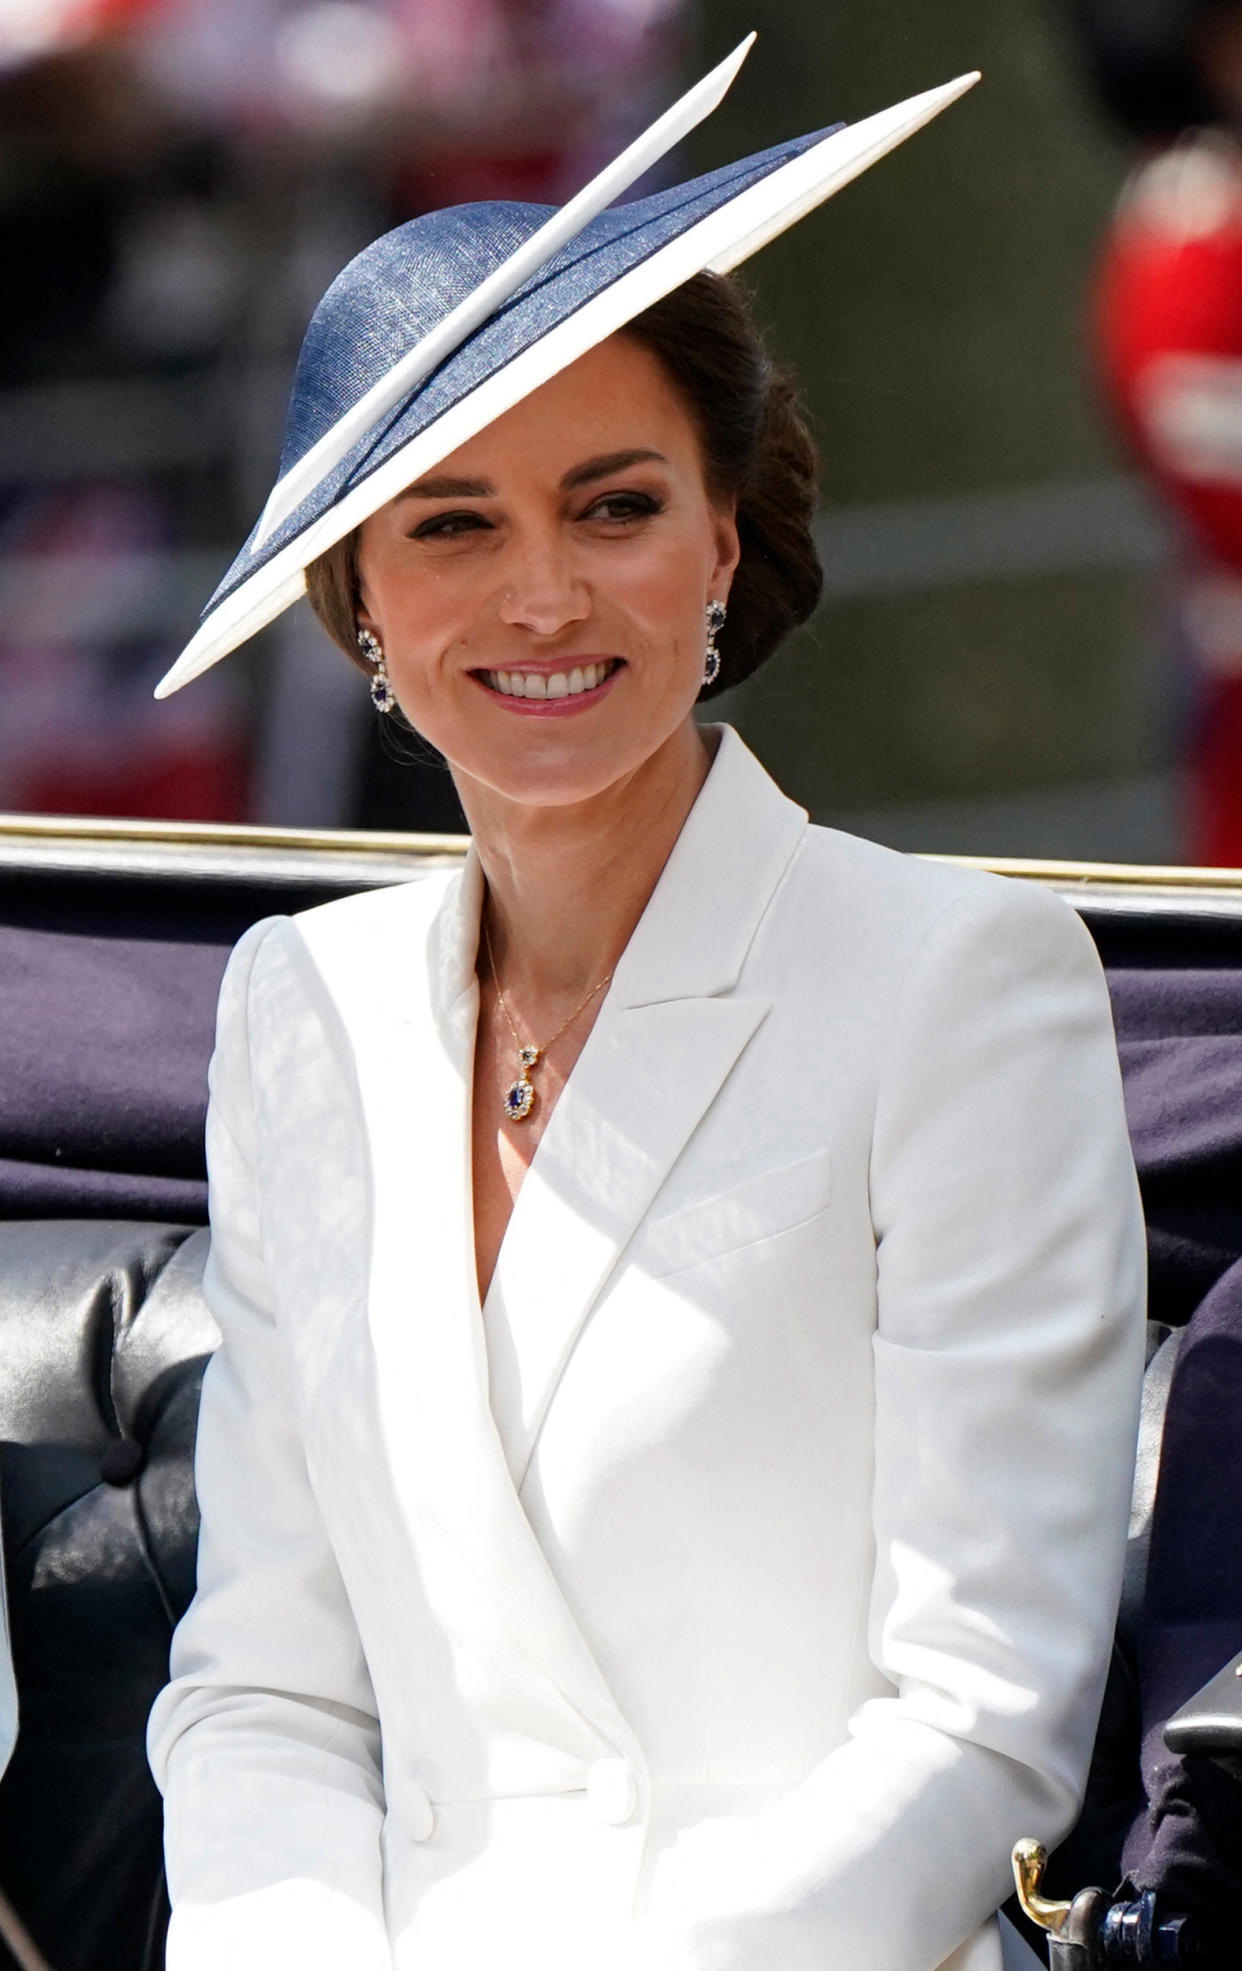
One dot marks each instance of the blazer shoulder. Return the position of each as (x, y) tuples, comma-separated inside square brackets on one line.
[(396, 909), (875, 877), (888, 910), (318, 948)]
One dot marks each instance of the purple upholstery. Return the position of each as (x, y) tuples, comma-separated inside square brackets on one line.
[(103, 1050), (108, 989), (1180, 1038)]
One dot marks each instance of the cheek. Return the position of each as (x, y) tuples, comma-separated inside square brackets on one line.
[(424, 616), (663, 591)]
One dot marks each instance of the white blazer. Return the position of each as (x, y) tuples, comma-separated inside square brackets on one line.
[(8, 1685), (732, 1591)]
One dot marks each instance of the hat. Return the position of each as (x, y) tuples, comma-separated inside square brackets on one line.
[(439, 326)]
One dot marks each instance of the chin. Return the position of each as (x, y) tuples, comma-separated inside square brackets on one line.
[(539, 784), (553, 770)]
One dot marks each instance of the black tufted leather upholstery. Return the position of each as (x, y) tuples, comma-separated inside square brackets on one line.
[(104, 1339)]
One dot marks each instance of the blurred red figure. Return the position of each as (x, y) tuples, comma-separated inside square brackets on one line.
[(1168, 330)]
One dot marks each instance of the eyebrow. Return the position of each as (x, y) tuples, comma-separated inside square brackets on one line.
[(448, 489), (578, 475), (607, 463)]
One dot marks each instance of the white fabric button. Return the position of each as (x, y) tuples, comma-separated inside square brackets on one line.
[(413, 1809), (612, 1792)]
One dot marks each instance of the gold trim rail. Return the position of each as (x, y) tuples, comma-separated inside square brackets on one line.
[(226, 835), (195, 839)]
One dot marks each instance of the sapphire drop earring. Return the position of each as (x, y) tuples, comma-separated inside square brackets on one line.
[(382, 695), (711, 658)]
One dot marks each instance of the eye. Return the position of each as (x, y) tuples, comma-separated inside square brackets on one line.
[(443, 526), (629, 505)]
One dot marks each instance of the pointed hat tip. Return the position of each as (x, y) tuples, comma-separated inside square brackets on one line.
[(911, 115), (722, 77), (187, 667)]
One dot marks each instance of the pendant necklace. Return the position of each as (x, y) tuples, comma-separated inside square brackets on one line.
[(519, 1097)]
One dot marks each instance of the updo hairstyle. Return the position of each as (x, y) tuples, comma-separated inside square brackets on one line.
[(756, 449)]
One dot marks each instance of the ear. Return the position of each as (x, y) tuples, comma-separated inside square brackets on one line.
[(728, 550), (364, 618)]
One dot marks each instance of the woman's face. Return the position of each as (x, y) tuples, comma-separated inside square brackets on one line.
[(540, 597)]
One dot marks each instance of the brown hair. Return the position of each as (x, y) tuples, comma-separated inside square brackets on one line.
[(757, 450)]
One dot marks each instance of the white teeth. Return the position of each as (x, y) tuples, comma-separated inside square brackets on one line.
[(558, 684)]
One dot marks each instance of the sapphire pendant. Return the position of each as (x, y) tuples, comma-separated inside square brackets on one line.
[(520, 1094), (519, 1099)]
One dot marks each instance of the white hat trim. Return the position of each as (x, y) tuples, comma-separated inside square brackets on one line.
[(721, 240), (417, 364)]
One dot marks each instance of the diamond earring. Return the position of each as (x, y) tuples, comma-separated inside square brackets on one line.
[(716, 613), (382, 695)]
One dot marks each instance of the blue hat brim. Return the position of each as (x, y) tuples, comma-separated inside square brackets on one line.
[(388, 297), (379, 306)]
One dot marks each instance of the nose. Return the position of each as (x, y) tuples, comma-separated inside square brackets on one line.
[(543, 593)]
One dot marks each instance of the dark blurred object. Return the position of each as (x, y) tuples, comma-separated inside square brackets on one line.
[(88, 158), (1140, 56), (392, 761), (81, 140), (78, 659)]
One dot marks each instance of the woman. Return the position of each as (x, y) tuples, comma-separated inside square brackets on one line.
[(665, 1472)]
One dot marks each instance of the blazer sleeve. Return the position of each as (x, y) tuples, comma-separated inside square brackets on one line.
[(1008, 1364), (265, 1743), (8, 1684)]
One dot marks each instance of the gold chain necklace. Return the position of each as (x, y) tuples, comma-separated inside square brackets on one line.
[(519, 1097)]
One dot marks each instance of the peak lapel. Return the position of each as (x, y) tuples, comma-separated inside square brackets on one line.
[(645, 1078), (664, 1042)]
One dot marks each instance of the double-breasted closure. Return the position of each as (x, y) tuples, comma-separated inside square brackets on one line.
[(731, 1591)]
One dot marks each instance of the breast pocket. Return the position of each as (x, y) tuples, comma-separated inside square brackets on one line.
[(758, 1207)]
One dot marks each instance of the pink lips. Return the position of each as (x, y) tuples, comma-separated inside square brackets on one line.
[(554, 708)]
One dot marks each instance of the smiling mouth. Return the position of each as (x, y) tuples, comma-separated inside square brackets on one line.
[(573, 682)]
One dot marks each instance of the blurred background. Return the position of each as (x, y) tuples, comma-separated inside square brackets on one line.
[(1020, 339)]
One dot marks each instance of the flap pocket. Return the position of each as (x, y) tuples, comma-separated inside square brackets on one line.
[(758, 1206)]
